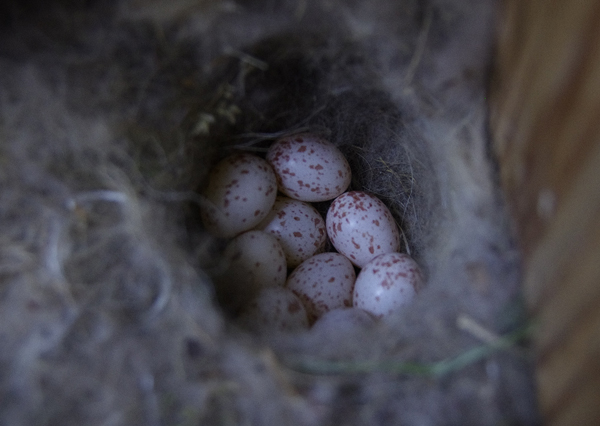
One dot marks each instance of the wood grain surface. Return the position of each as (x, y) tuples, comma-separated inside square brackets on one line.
[(545, 120)]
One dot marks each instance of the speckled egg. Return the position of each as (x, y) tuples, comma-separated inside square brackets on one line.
[(274, 309), (324, 282), (361, 227), (240, 193), (298, 227), (387, 283), (252, 260), (309, 168)]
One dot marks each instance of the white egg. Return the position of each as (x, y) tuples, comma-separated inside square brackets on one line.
[(274, 309), (324, 282), (309, 168), (343, 321), (252, 261), (298, 227), (361, 227), (240, 193), (387, 283)]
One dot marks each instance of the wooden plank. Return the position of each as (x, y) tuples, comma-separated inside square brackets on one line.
[(583, 408), (545, 100), (571, 366), (545, 119)]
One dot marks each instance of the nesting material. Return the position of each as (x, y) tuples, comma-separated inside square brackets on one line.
[(111, 118)]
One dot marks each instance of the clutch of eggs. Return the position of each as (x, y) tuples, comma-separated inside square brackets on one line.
[(273, 233)]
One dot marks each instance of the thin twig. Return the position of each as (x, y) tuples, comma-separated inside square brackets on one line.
[(472, 327), (248, 59)]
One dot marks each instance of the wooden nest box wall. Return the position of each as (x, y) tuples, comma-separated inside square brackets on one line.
[(545, 120)]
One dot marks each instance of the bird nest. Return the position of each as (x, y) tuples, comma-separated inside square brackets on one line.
[(111, 118)]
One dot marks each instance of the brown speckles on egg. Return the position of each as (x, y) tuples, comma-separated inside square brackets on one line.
[(308, 169), (302, 235), (359, 227), (275, 309), (254, 260), (230, 182), (394, 275), (294, 307), (319, 284)]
